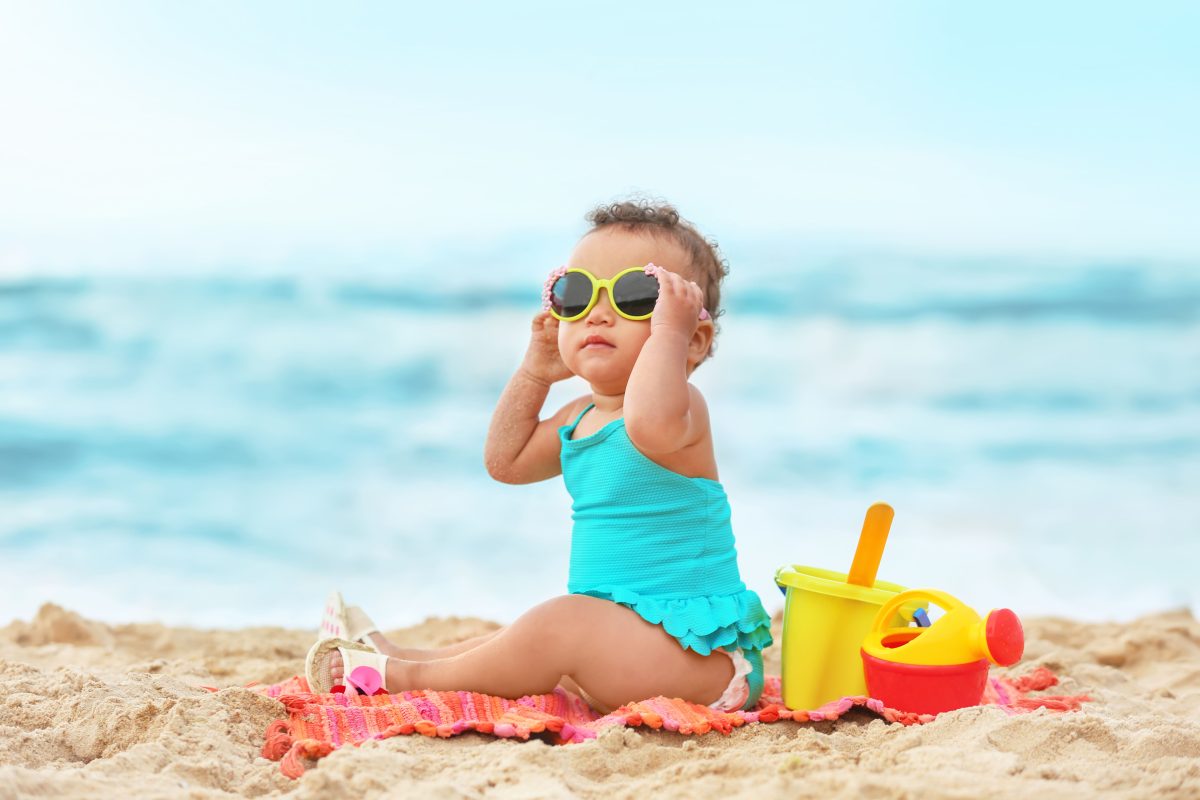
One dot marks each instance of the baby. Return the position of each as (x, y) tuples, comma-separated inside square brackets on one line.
[(656, 605)]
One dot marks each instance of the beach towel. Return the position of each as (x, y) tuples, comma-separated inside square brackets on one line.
[(318, 724)]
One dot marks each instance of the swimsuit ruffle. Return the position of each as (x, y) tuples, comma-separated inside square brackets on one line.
[(702, 624)]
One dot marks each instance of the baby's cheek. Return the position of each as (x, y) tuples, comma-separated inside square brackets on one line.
[(563, 339)]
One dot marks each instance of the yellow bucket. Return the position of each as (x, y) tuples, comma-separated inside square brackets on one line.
[(825, 620)]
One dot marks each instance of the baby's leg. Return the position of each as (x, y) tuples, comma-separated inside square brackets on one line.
[(428, 654), (611, 652), (417, 654)]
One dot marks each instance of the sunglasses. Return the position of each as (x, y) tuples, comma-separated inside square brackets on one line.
[(570, 294)]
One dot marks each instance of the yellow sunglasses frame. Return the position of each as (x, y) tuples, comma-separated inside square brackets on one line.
[(597, 285)]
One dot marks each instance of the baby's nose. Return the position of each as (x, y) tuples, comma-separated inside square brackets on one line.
[(603, 309)]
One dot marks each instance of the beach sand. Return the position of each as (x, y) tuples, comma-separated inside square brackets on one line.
[(95, 710)]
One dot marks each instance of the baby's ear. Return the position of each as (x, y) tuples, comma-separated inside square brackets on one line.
[(701, 343)]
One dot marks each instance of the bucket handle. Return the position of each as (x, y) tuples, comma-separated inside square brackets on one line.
[(782, 588)]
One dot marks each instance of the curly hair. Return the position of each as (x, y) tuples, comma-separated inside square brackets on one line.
[(659, 218)]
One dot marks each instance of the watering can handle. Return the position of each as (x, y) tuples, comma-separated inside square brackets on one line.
[(935, 597)]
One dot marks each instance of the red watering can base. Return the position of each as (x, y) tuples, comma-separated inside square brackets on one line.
[(925, 689)]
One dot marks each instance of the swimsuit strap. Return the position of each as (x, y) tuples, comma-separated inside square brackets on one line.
[(575, 424)]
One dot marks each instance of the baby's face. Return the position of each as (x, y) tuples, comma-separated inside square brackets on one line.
[(604, 253)]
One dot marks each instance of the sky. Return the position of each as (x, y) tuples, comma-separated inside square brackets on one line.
[(152, 136)]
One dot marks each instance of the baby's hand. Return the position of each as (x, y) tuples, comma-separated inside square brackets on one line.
[(542, 360), (680, 304)]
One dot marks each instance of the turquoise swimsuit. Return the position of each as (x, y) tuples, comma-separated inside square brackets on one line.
[(659, 543)]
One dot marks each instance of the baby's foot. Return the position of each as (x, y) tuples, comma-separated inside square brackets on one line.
[(336, 662), (395, 673)]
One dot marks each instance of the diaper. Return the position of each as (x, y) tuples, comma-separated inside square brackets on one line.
[(737, 693)]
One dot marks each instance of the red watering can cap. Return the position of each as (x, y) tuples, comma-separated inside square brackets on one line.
[(1005, 637)]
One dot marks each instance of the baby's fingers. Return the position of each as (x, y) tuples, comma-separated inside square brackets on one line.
[(669, 282), (680, 287), (543, 320)]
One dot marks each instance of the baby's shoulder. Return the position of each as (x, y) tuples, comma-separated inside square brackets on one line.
[(697, 404)]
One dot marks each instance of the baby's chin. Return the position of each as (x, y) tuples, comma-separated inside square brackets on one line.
[(607, 381)]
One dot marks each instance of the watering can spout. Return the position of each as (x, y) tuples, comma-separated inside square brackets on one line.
[(1003, 638)]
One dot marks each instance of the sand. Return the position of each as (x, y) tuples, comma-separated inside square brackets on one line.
[(95, 710)]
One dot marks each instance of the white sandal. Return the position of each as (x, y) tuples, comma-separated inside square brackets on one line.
[(351, 623), (363, 669)]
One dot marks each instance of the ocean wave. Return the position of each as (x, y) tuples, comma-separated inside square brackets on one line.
[(870, 291), (284, 421)]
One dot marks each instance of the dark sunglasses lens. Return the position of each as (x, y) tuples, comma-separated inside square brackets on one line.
[(636, 293), (570, 294)]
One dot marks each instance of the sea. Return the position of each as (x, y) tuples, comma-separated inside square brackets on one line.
[(222, 447)]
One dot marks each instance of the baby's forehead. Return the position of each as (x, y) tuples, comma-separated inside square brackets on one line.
[(605, 252)]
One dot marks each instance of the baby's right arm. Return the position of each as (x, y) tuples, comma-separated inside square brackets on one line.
[(519, 448)]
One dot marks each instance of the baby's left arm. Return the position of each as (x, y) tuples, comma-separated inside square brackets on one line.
[(663, 412)]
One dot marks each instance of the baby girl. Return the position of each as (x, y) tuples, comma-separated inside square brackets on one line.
[(655, 602)]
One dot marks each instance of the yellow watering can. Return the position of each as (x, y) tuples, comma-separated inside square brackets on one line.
[(927, 670)]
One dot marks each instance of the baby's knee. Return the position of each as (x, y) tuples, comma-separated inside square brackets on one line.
[(560, 621), (567, 608), (563, 610)]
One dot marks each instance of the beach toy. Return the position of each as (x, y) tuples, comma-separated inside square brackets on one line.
[(827, 614), (927, 670)]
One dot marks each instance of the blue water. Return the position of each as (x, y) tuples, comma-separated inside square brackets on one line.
[(222, 450)]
